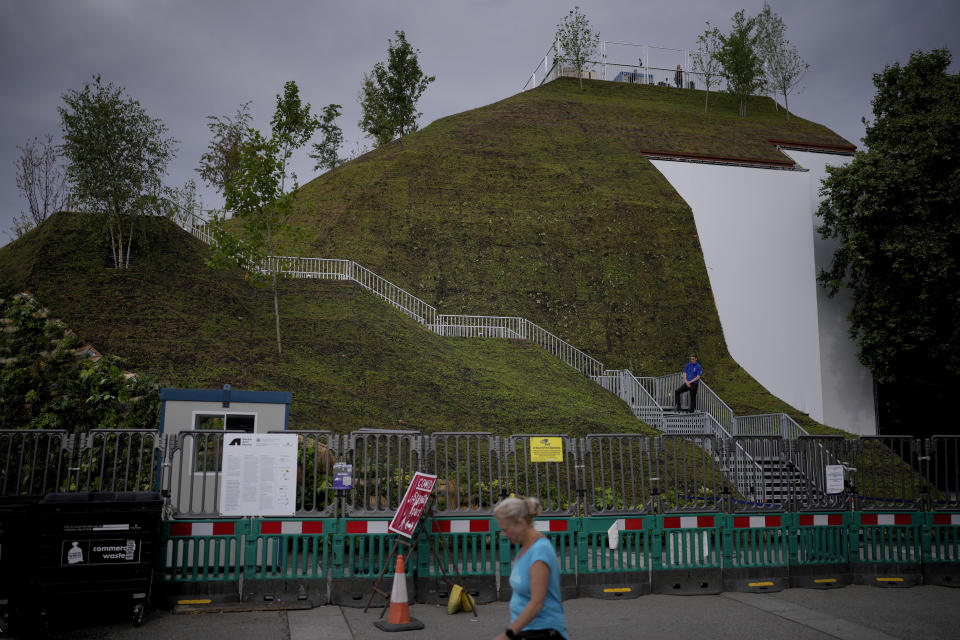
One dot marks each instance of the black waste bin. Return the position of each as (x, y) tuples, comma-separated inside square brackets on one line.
[(92, 549), (13, 515)]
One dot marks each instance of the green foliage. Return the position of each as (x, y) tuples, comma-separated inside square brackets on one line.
[(577, 42), (219, 163), (894, 212), (293, 125), (705, 61), (783, 66), (326, 152), (741, 65), (389, 94), (47, 382), (117, 157)]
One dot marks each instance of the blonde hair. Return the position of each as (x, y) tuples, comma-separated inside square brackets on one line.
[(517, 509)]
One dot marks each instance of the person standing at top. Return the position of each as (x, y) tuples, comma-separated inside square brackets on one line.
[(692, 372), (678, 77), (535, 607)]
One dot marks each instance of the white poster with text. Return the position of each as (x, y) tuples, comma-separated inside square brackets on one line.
[(259, 474)]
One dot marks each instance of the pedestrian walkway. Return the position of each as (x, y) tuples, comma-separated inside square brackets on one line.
[(852, 613)]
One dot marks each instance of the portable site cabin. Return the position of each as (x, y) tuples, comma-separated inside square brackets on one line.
[(199, 420)]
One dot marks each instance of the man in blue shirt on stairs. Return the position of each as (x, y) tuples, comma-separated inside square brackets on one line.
[(692, 372)]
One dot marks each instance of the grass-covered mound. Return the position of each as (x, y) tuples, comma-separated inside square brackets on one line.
[(544, 206), (350, 360)]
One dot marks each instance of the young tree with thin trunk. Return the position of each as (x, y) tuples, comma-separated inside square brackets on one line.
[(293, 125), (41, 180), (578, 43), (389, 94), (219, 163), (327, 151), (741, 65), (782, 64), (705, 60), (117, 157)]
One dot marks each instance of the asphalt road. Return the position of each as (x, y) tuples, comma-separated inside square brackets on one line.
[(851, 613)]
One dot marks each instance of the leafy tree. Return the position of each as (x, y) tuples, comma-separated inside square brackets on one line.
[(48, 380), (255, 196), (705, 60), (219, 163), (293, 125), (326, 152), (894, 212), (784, 68), (389, 94), (577, 42), (41, 181), (740, 63), (117, 157)]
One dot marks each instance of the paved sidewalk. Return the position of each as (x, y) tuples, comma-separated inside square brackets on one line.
[(851, 613)]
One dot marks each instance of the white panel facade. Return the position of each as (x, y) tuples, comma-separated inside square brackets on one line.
[(757, 228)]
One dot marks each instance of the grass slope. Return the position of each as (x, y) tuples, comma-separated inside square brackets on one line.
[(350, 361), (543, 206)]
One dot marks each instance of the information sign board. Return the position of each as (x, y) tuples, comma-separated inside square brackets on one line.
[(414, 502), (546, 449), (259, 474)]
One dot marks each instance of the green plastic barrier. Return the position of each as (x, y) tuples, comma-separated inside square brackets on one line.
[(756, 552), (687, 554), (467, 546), (885, 549), (288, 559), (614, 557), (820, 550), (201, 560), (941, 549), (358, 552)]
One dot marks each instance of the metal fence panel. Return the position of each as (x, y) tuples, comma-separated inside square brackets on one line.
[(618, 472), (943, 475), (118, 460), (811, 455), (470, 476), (193, 464), (886, 473), (688, 476), (34, 463), (383, 464), (553, 483)]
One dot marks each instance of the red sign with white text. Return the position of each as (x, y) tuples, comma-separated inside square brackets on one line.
[(414, 502)]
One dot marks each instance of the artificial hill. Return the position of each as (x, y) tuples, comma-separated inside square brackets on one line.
[(350, 360), (544, 205)]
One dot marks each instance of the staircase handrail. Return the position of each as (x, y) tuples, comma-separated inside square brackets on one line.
[(769, 425), (735, 471), (707, 400), (634, 393)]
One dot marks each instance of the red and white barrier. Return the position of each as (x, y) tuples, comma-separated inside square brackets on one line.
[(688, 522), (756, 522), (367, 526), (946, 518), (291, 527), (821, 519), (461, 526), (187, 529), (886, 518), (551, 526)]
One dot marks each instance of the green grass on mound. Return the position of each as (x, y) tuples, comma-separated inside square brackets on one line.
[(350, 360), (543, 206)]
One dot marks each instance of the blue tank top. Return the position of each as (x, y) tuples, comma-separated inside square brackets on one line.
[(551, 615)]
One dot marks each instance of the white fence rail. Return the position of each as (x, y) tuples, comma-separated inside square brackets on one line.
[(777, 425)]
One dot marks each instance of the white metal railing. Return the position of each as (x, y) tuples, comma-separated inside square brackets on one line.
[(624, 384), (454, 326), (662, 389), (777, 425)]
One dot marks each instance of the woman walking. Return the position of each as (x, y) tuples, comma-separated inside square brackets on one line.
[(535, 607)]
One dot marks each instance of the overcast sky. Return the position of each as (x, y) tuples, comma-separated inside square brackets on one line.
[(187, 59)]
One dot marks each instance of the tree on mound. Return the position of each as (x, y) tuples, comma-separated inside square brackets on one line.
[(117, 157), (389, 95), (894, 211), (577, 41)]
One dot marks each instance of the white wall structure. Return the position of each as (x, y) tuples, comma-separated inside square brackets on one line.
[(757, 228)]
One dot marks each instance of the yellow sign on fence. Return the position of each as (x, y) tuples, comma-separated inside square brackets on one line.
[(546, 449)]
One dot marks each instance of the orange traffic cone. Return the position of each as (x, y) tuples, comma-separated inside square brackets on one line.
[(398, 618)]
